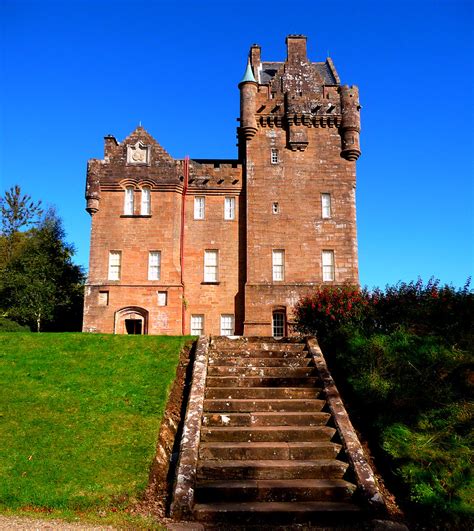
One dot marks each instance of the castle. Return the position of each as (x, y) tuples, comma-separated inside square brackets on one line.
[(227, 247)]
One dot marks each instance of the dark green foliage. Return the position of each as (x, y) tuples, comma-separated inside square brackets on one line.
[(41, 287), (7, 325), (403, 357)]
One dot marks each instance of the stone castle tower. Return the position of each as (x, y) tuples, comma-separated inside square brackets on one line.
[(228, 246)]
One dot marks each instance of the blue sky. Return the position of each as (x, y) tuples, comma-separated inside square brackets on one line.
[(74, 71)]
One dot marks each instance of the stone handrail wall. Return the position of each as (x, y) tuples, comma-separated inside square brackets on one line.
[(183, 493), (365, 479)]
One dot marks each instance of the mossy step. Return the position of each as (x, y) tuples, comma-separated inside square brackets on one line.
[(265, 418), (299, 450), (263, 404)]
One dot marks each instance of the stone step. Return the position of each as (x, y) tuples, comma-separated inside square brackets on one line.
[(267, 433), (280, 490), (260, 362), (265, 418), (262, 392), (277, 513), (258, 346), (261, 381), (268, 450), (263, 404), (279, 372), (271, 469), (279, 354)]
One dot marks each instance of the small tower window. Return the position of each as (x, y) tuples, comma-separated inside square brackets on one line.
[(326, 205), (229, 208), (274, 156), (154, 265), (199, 205), (278, 264), (328, 266), (115, 260), (128, 207), (146, 201), (275, 208)]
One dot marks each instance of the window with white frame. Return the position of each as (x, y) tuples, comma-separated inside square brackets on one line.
[(211, 258), (115, 262), (227, 325), (229, 208), (274, 156), (275, 208), (197, 325), (199, 207), (162, 298), (326, 205), (145, 209), (328, 266), (128, 207), (154, 265), (278, 262)]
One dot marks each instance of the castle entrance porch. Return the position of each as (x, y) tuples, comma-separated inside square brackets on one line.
[(132, 320)]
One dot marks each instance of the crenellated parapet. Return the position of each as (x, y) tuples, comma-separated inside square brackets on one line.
[(296, 95)]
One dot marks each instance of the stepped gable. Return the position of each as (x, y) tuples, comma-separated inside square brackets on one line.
[(138, 159)]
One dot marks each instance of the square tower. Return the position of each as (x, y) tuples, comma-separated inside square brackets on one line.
[(298, 141)]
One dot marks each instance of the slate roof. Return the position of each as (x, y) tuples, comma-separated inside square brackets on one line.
[(270, 69)]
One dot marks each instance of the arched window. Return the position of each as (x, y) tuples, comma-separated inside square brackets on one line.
[(128, 207), (145, 209)]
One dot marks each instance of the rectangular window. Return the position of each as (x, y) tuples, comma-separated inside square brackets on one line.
[(274, 156), (146, 201), (162, 298), (278, 264), (326, 205), (328, 266), (227, 325), (103, 298), (278, 324), (275, 208), (229, 208), (197, 325), (199, 207), (154, 265), (128, 205), (210, 266), (115, 259)]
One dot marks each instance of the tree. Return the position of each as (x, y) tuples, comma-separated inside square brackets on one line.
[(17, 211), (41, 286)]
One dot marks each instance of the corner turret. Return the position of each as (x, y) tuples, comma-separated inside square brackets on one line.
[(350, 123), (248, 93)]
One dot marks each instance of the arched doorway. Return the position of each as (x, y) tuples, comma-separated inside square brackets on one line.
[(131, 320), (279, 323)]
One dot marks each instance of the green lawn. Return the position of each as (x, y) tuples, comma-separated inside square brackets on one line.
[(79, 418)]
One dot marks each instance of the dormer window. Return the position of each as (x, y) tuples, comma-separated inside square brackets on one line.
[(145, 207), (128, 207)]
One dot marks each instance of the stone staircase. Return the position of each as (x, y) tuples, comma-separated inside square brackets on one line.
[(269, 452)]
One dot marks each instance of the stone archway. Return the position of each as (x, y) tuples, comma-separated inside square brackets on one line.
[(131, 320)]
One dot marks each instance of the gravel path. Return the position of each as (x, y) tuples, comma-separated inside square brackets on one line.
[(32, 524)]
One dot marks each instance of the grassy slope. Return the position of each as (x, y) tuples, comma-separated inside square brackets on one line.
[(79, 416)]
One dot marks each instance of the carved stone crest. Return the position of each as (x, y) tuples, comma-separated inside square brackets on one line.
[(138, 153)]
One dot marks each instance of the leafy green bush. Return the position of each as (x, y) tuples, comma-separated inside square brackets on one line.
[(403, 357), (7, 325)]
